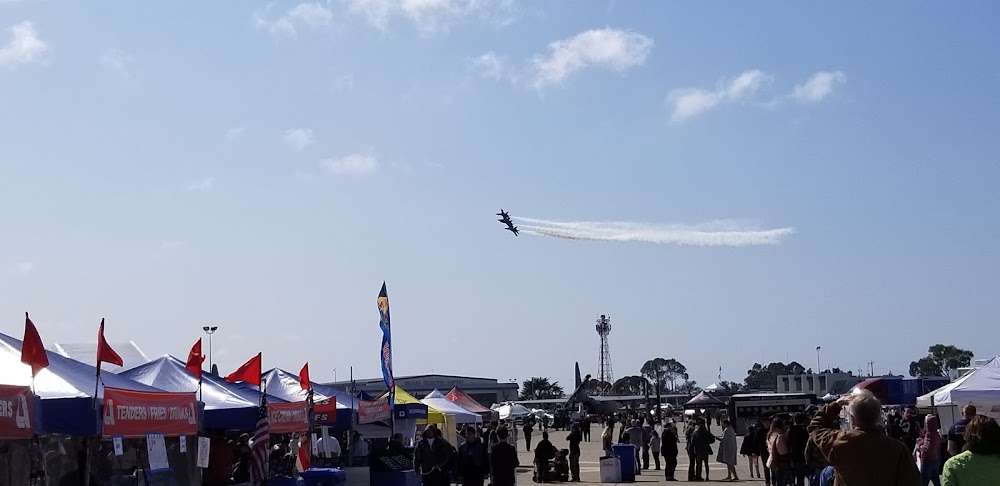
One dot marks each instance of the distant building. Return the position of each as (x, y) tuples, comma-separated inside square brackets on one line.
[(486, 391), (818, 384)]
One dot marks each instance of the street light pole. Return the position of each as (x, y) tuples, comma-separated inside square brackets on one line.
[(819, 369), (210, 330)]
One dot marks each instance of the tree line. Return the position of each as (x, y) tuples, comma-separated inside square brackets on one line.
[(669, 376)]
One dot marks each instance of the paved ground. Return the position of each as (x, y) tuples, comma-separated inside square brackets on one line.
[(591, 453)]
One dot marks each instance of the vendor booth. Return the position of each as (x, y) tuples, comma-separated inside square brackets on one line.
[(980, 387), (465, 401), (704, 400), (437, 401), (228, 406), (129, 429)]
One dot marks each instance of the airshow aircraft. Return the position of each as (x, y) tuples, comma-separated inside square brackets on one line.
[(505, 219)]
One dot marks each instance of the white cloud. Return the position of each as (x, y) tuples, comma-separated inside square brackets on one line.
[(24, 46), (298, 138), (818, 86), (311, 15), (171, 245), (117, 60), (489, 65), (23, 268), (201, 185), (343, 83), (433, 16), (235, 132), (690, 102), (612, 49), (354, 164)]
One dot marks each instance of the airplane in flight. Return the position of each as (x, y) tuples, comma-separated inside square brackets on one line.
[(504, 217)]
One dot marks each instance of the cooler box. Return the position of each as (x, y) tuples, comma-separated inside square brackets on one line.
[(626, 454), (611, 470), (323, 477)]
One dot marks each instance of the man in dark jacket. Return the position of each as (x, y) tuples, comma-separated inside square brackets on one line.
[(503, 460), (473, 460), (431, 458), (544, 452), (798, 438), (574, 438)]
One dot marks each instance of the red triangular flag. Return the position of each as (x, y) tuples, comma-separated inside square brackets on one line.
[(249, 372), (32, 350), (104, 352), (195, 359), (304, 377)]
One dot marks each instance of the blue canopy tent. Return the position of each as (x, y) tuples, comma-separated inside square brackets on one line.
[(65, 387), (228, 406)]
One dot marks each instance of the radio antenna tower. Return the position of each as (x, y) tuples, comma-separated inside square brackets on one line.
[(604, 374)]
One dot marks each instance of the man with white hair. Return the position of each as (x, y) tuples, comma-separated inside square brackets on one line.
[(864, 455)]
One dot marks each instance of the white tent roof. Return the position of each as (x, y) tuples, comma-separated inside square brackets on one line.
[(439, 402), (130, 353), (980, 387), (711, 388)]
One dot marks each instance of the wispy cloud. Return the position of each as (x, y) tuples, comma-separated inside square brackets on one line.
[(23, 46), (691, 102), (235, 132), (201, 185), (611, 49), (342, 83), (23, 268), (488, 65), (298, 138), (353, 164), (608, 49), (171, 245), (433, 16), (117, 60), (312, 15), (818, 86)]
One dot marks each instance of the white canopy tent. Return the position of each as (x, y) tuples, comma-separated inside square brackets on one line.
[(439, 402), (980, 387), (714, 387)]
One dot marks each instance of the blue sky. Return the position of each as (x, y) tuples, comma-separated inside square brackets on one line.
[(264, 167)]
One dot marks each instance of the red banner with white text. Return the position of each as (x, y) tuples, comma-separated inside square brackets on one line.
[(326, 411), (130, 413), (288, 417), (373, 411), (17, 413)]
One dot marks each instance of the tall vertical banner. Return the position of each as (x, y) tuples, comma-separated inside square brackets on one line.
[(386, 354)]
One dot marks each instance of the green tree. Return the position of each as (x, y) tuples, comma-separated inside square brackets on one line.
[(655, 370), (673, 370), (766, 378), (539, 388), (596, 387), (730, 388), (690, 387), (629, 385), (940, 360)]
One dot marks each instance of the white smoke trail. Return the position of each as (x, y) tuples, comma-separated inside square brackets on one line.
[(713, 233)]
